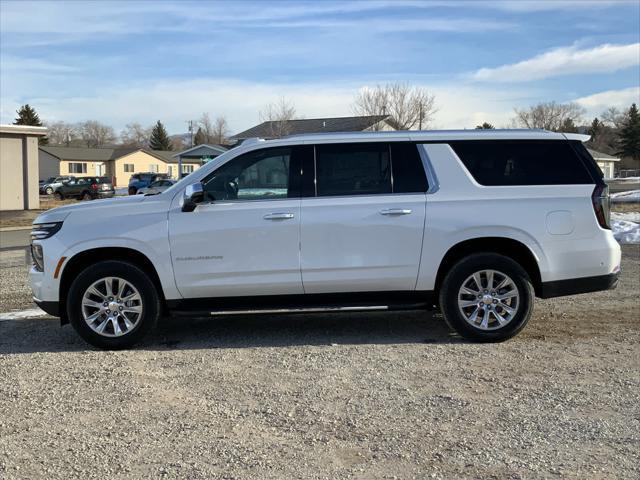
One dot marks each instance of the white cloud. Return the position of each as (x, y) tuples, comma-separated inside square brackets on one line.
[(621, 99), (176, 101), (605, 58)]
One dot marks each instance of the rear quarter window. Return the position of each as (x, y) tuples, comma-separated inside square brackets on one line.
[(522, 162)]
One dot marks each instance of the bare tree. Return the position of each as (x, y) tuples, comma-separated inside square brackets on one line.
[(220, 131), (95, 134), (408, 106), (613, 117), (549, 116), (205, 125), (177, 143), (278, 115), (61, 133), (135, 135)]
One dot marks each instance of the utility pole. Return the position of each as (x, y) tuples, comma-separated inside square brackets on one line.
[(190, 123)]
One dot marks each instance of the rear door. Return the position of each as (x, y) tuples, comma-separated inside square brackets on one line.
[(362, 230)]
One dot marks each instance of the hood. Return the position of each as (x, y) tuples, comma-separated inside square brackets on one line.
[(58, 214)]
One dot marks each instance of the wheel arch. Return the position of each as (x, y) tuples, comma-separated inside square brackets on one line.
[(85, 258), (508, 247)]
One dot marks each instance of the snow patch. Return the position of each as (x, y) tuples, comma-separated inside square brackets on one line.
[(630, 196), (626, 227), (17, 315)]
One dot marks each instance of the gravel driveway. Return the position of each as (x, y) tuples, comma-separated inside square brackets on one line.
[(327, 396)]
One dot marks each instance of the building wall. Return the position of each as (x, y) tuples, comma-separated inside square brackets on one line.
[(143, 162), (65, 168), (48, 165), (18, 171), (607, 168)]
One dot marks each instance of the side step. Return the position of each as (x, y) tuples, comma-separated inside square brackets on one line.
[(278, 311)]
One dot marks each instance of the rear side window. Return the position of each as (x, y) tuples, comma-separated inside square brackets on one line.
[(522, 162), (353, 169), (408, 171)]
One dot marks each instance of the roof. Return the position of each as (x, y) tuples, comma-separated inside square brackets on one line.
[(201, 150), (313, 125), (85, 153), (23, 129), (420, 136), (602, 156)]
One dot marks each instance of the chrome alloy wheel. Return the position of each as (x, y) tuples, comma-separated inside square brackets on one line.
[(488, 299), (111, 307)]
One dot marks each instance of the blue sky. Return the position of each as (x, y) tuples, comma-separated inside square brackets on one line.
[(126, 61)]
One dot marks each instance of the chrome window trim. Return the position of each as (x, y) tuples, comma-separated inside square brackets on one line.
[(432, 178)]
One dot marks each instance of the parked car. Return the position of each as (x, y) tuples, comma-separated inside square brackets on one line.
[(143, 180), (157, 187), (476, 224), (86, 188), (52, 183)]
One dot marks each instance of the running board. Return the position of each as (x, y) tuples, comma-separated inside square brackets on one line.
[(278, 311)]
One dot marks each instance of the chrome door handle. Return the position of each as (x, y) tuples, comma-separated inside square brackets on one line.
[(395, 211), (278, 216)]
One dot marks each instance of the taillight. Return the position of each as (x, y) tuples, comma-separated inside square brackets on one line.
[(602, 205), (94, 186)]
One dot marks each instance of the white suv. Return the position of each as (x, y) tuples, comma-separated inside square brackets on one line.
[(475, 222)]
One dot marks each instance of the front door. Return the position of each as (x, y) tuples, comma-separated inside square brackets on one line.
[(244, 238), (363, 229)]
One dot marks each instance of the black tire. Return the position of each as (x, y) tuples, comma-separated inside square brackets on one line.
[(48, 190), (86, 196), (133, 190), (130, 273), (58, 196), (461, 271)]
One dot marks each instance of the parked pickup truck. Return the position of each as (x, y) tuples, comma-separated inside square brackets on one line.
[(85, 188), (476, 224)]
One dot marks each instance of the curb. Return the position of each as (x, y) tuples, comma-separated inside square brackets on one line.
[(14, 229)]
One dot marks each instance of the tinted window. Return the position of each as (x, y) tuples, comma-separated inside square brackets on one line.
[(408, 171), (104, 180), (262, 174), (522, 162), (353, 169)]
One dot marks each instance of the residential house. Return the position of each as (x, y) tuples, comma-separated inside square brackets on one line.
[(605, 162), (117, 163), (272, 129), (200, 153), (19, 166)]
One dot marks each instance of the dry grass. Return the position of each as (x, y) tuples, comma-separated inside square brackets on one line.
[(625, 207)]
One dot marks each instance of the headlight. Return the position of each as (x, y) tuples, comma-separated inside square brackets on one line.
[(40, 231), (37, 257)]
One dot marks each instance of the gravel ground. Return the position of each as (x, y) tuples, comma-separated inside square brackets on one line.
[(327, 396)]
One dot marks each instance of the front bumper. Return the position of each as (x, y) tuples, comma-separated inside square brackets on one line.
[(574, 286), (52, 308)]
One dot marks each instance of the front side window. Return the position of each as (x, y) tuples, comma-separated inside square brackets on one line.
[(353, 169), (257, 175), (77, 168)]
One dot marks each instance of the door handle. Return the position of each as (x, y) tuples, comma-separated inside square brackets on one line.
[(395, 211), (278, 216)]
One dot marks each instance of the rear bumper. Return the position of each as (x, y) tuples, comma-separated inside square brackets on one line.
[(573, 286), (107, 194)]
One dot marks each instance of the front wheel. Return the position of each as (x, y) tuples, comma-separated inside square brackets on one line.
[(133, 190), (113, 304), (58, 196), (87, 196), (487, 297), (48, 190)]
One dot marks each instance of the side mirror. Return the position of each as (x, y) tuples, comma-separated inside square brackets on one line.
[(193, 195)]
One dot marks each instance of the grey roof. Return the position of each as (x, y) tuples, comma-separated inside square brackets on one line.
[(313, 125), (84, 153), (202, 150), (602, 156)]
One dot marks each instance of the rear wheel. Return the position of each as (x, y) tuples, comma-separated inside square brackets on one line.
[(113, 304), (133, 190), (86, 196), (487, 297), (58, 196), (48, 190)]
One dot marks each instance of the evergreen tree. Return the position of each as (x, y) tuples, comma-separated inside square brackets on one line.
[(568, 126), (200, 137), (159, 138), (630, 134), (595, 129), (27, 115), (485, 126)]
